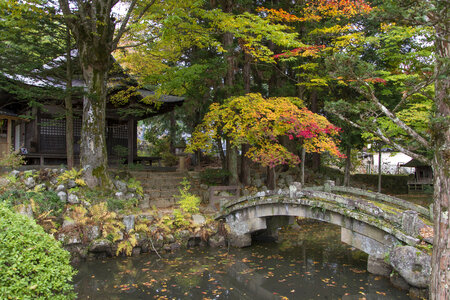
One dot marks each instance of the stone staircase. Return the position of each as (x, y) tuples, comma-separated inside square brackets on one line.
[(160, 188)]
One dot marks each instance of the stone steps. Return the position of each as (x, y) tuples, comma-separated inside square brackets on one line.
[(160, 187)]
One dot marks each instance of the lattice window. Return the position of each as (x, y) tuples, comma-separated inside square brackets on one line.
[(77, 127), (53, 127), (119, 131)]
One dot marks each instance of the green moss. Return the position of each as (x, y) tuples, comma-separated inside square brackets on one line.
[(387, 208)]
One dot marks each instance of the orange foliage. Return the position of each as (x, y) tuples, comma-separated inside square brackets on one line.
[(302, 51), (260, 122), (317, 9)]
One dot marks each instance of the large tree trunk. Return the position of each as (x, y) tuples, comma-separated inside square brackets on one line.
[(271, 178), (315, 164), (440, 275), (68, 105), (245, 161), (93, 154), (232, 160), (92, 25), (245, 165), (232, 157), (348, 164)]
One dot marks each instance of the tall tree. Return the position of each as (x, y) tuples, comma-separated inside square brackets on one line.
[(414, 79), (93, 25), (33, 37), (260, 122)]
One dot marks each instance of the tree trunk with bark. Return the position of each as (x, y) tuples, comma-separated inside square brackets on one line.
[(315, 164), (232, 157), (440, 275), (245, 161), (68, 104), (92, 25), (93, 153), (348, 164)]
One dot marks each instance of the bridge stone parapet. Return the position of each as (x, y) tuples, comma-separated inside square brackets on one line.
[(371, 222)]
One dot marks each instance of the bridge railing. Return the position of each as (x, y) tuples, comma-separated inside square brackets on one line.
[(375, 197)]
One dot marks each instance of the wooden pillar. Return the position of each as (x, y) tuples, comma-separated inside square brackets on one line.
[(132, 136), (9, 136)]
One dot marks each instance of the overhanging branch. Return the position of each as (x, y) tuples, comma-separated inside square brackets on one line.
[(385, 139), (371, 95)]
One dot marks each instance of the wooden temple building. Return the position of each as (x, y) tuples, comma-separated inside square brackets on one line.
[(39, 132), (423, 176)]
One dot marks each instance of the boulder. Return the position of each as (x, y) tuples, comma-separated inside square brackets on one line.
[(69, 238), (120, 195), (175, 246), (121, 186), (130, 196), (60, 188), (170, 238), (198, 220), (73, 199), (25, 210), (128, 221), (14, 173), (102, 245), (399, 282), (216, 241), (136, 251), (412, 264), (92, 232), (71, 184), (378, 266), (62, 196), (240, 241), (294, 187), (67, 223), (30, 182)]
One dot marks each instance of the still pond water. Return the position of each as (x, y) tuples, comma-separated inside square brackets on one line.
[(311, 263)]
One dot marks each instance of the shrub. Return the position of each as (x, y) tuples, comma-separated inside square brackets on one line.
[(189, 203), (46, 201), (214, 176), (32, 263), (12, 160), (169, 159)]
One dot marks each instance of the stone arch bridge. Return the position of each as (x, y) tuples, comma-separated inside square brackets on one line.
[(372, 222)]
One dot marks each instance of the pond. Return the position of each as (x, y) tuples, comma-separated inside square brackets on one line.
[(309, 263)]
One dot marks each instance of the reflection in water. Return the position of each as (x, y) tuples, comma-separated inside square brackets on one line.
[(308, 264)]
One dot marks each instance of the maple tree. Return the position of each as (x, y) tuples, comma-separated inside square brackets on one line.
[(260, 123)]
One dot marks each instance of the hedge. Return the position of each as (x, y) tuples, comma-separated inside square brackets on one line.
[(32, 263)]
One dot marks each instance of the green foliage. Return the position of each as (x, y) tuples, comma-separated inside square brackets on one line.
[(74, 175), (32, 263), (260, 122), (121, 205), (12, 160), (170, 159), (189, 203), (121, 152), (135, 185), (211, 176), (45, 201)]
